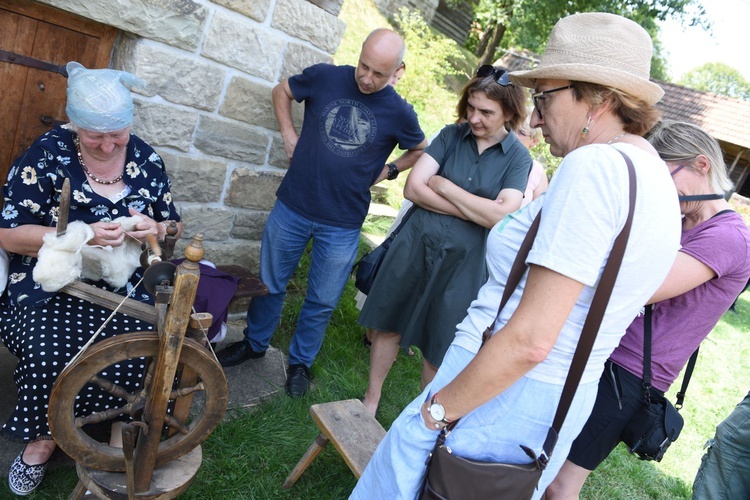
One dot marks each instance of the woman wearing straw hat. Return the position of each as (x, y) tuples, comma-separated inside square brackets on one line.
[(112, 174), (593, 100)]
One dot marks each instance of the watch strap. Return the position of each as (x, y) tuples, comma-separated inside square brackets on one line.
[(392, 171)]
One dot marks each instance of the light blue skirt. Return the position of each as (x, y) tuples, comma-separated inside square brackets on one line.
[(522, 415)]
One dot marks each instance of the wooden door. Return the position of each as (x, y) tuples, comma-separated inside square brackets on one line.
[(33, 100)]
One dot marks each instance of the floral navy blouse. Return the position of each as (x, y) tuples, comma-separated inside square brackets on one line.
[(32, 196)]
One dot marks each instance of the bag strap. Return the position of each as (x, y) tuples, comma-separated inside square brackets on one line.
[(686, 379), (647, 326), (448, 153), (594, 317), (647, 351), (516, 273)]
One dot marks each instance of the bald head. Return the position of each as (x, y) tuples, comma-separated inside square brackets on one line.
[(387, 41), (381, 56)]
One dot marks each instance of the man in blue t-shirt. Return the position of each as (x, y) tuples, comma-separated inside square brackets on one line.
[(353, 120)]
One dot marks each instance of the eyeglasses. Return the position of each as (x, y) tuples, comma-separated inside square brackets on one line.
[(677, 169), (499, 75), (541, 96)]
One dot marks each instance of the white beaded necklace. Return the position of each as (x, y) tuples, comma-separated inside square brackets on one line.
[(85, 168)]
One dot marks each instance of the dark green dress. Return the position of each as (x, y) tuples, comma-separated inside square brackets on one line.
[(435, 266)]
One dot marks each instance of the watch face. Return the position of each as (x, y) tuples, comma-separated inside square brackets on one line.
[(437, 412)]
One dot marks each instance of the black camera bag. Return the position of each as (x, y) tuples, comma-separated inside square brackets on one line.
[(657, 424)]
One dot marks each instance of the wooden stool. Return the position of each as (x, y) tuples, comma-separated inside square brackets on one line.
[(354, 432)]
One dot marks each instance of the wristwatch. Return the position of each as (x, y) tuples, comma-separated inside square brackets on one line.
[(437, 412), (392, 171)]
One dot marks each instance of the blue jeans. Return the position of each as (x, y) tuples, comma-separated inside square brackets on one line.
[(285, 238)]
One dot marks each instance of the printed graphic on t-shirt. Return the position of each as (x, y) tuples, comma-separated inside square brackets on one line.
[(347, 127)]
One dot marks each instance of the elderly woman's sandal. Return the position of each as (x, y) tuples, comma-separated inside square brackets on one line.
[(24, 478)]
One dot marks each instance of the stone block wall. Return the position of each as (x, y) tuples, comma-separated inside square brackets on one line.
[(210, 67)]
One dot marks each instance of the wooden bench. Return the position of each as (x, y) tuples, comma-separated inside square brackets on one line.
[(352, 430), (249, 286)]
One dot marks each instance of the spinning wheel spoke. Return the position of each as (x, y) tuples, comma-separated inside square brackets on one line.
[(135, 401), (182, 392), (176, 424), (113, 389), (186, 391), (111, 413)]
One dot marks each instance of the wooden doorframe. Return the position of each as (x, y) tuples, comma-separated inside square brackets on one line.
[(54, 15), (19, 118)]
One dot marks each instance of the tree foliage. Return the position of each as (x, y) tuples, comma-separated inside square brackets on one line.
[(528, 23), (718, 78), (429, 59)]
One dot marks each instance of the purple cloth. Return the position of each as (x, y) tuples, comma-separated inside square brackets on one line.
[(681, 323), (215, 292)]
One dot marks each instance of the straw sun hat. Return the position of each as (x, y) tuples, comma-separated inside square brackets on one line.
[(599, 48)]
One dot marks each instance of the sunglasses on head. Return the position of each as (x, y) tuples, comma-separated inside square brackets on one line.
[(499, 75)]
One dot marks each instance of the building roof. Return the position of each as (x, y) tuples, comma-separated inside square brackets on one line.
[(726, 119)]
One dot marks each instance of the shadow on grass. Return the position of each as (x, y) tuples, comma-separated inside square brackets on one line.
[(644, 480)]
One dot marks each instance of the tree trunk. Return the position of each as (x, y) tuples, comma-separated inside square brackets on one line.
[(484, 40), (488, 57)]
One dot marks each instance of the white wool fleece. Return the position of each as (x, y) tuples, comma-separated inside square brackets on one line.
[(59, 260), (63, 259), (114, 265)]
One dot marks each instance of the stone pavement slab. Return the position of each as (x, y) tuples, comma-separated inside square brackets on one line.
[(382, 210), (254, 380)]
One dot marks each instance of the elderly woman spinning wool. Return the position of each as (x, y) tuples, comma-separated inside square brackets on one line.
[(593, 102), (120, 195)]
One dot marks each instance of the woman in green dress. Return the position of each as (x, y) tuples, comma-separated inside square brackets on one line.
[(435, 266)]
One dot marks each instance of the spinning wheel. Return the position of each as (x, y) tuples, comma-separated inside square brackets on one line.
[(168, 423), (79, 445)]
